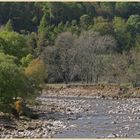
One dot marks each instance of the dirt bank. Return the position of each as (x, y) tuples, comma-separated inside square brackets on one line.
[(99, 90)]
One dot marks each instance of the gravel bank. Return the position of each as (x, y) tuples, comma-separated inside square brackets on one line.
[(77, 117)]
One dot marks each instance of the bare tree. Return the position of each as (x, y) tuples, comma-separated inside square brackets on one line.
[(79, 58), (116, 68), (91, 48), (65, 58), (50, 57), (133, 71)]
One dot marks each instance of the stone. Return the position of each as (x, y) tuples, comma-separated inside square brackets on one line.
[(114, 122), (68, 109), (112, 135)]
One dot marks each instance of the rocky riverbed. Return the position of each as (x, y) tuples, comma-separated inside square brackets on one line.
[(78, 117)]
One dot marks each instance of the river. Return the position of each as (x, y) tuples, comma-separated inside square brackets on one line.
[(77, 117), (96, 118)]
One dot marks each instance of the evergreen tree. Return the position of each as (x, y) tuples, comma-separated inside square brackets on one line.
[(43, 34), (9, 26), (43, 24)]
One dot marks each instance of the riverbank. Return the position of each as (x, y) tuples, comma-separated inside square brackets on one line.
[(78, 111), (45, 126), (98, 90), (77, 117)]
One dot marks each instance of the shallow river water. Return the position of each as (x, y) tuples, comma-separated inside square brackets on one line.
[(96, 118)]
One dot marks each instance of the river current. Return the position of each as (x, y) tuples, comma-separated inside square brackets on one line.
[(96, 118)]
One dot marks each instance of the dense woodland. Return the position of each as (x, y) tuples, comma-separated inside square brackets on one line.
[(82, 42)]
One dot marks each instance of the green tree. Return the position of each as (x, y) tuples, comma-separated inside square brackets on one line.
[(43, 24), (9, 26), (90, 8), (11, 81), (85, 21), (60, 28), (44, 34), (122, 35), (32, 42), (133, 23), (106, 9), (26, 60), (15, 44), (57, 29), (125, 9), (102, 26)]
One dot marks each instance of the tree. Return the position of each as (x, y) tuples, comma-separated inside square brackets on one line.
[(9, 26), (102, 26), (85, 21), (17, 82), (15, 44), (65, 56), (106, 9), (122, 35), (116, 68), (91, 48), (57, 30), (133, 23), (35, 73), (44, 34), (26, 60), (21, 15), (90, 8), (134, 67), (32, 43), (51, 57), (73, 27), (125, 9), (43, 24), (11, 81)]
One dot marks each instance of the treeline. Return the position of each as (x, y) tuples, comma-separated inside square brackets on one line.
[(67, 42), (91, 58), (93, 46), (47, 20), (27, 15)]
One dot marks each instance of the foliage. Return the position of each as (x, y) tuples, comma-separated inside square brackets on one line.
[(122, 35), (133, 23), (103, 26), (26, 60), (8, 26), (35, 73), (32, 43), (11, 80), (13, 44), (85, 21), (78, 42)]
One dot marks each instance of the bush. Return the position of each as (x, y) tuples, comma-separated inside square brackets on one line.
[(35, 74), (12, 82), (17, 82)]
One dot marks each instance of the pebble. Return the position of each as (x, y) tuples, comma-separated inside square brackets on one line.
[(112, 135), (114, 122), (120, 112)]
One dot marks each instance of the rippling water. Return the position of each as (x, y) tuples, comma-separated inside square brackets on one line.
[(98, 118)]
